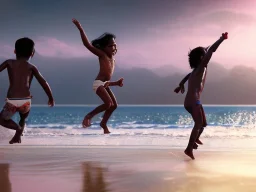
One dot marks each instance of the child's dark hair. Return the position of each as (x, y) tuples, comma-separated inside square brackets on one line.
[(102, 41), (24, 47), (194, 56)]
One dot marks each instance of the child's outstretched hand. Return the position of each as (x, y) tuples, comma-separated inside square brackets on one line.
[(181, 89), (51, 103), (106, 84), (78, 25), (225, 35), (177, 89), (120, 82)]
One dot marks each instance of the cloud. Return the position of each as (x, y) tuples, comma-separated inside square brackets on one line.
[(227, 19), (210, 21), (144, 54), (6, 51), (154, 52), (52, 47), (170, 42)]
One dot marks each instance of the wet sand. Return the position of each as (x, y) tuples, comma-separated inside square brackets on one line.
[(124, 169)]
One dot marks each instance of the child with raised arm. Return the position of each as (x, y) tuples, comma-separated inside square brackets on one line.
[(21, 73), (198, 60), (105, 48)]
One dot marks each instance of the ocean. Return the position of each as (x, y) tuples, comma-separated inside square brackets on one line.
[(164, 126)]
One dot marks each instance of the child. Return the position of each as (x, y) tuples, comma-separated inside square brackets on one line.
[(21, 73), (105, 48), (198, 60)]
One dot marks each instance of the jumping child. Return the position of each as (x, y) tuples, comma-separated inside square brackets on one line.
[(105, 48), (21, 73), (198, 60)]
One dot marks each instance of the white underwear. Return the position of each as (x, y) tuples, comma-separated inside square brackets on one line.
[(97, 84), (18, 102)]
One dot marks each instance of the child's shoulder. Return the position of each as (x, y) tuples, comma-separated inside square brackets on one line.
[(31, 64), (13, 61), (10, 61), (103, 56), (200, 69)]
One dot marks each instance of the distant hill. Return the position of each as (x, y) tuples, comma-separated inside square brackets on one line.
[(71, 81), (168, 70)]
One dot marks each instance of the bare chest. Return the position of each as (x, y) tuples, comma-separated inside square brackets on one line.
[(108, 64)]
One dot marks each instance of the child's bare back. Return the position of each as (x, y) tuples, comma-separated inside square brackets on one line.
[(20, 74)]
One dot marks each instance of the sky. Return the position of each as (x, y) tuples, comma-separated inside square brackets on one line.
[(150, 33)]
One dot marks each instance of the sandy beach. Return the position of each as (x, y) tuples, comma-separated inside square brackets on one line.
[(123, 169)]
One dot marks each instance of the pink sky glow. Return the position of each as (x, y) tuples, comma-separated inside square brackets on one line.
[(168, 44)]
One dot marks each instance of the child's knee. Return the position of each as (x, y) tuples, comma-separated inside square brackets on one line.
[(5, 116), (108, 105), (198, 126), (114, 106)]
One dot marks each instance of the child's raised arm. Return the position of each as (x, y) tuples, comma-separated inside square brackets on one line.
[(86, 42), (212, 49)]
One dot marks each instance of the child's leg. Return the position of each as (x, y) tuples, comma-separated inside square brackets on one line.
[(105, 97), (109, 111), (204, 125), (5, 120), (197, 117), (9, 124), (189, 110), (23, 117)]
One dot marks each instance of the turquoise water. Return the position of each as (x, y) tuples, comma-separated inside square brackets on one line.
[(140, 117)]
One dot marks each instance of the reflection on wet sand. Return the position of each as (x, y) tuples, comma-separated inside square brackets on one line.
[(5, 184), (93, 178), (197, 179)]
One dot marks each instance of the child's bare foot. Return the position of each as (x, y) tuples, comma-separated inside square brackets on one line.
[(199, 142), (86, 122), (195, 146), (189, 153), (105, 128), (16, 138)]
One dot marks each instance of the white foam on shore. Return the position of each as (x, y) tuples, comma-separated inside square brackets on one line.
[(213, 137)]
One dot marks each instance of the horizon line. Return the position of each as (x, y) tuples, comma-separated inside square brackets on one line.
[(146, 105)]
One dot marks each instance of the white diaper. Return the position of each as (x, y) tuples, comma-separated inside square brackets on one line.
[(19, 102), (97, 84)]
